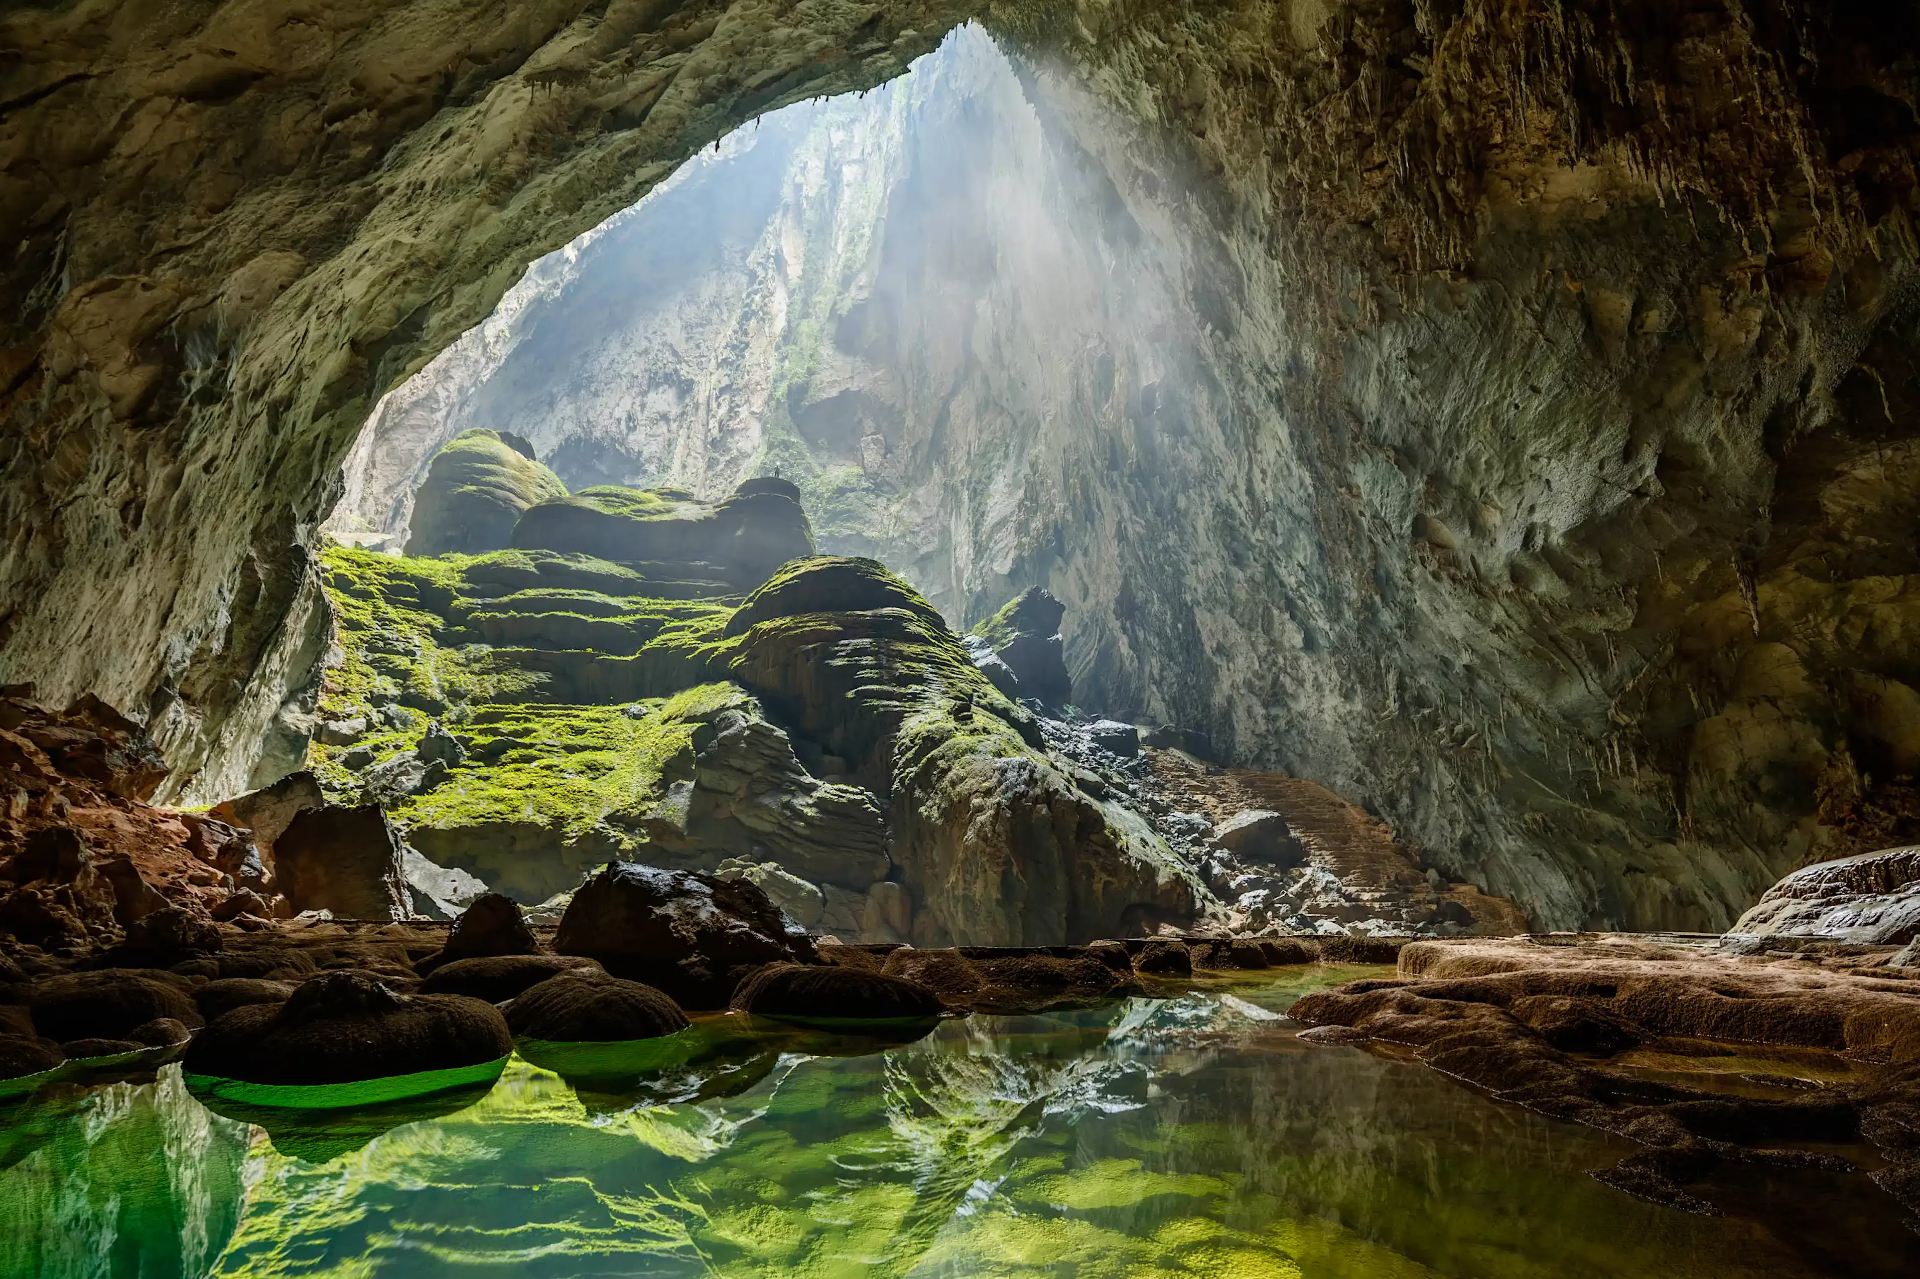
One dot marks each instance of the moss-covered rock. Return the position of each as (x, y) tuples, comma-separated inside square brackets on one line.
[(474, 493), (1025, 636), (740, 540)]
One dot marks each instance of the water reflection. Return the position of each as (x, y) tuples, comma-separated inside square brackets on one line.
[(1191, 1136)]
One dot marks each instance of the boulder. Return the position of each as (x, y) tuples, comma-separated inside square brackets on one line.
[(1114, 736), (574, 1008), (491, 925), (134, 897), (26, 1055), (496, 978), (171, 933), (1026, 636), (998, 673), (802, 902), (438, 746), (829, 995), (436, 891), (229, 850), (692, 935), (344, 1027), (396, 777), (1872, 899), (62, 898), (108, 1003), (1261, 835), (1164, 959), (268, 811), (344, 860), (476, 489), (224, 994)]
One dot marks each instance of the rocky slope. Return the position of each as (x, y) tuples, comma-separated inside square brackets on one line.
[(640, 677), (1514, 442)]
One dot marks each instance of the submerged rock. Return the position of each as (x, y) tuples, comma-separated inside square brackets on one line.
[(346, 1027), (475, 491), (1871, 899), (690, 934)]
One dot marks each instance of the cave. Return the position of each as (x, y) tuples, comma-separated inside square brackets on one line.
[(1109, 600)]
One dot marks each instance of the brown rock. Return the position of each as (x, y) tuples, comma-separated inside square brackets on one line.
[(496, 978), (344, 860), (808, 993), (108, 1003), (692, 935), (343, 1027), (575, 1008)]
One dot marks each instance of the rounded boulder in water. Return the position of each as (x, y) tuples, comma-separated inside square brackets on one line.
[(346, 1027), (799, 992), (576, 1008), (499, 977)]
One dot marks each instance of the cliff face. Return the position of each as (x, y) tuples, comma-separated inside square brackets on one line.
[(1493, 411)]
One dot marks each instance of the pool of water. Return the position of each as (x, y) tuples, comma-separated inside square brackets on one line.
[(1187, 1136)]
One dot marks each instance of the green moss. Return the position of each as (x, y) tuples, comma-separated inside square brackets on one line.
[(564, 768), (634, 504), (998, 630)]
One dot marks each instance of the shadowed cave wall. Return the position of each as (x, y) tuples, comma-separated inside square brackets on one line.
[(1549, 487)]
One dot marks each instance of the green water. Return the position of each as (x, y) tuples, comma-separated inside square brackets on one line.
[(1191, 1136)]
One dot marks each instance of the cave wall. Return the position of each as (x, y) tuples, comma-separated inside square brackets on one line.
[(1545, 489)]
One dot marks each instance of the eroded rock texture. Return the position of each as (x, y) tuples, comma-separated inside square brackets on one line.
[(1505, 424)]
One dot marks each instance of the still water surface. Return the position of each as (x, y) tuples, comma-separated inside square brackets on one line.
[(1181, 1137)]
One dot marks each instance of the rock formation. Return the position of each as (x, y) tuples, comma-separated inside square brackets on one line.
[(475, 492), (1871, 899), (1024, 637)]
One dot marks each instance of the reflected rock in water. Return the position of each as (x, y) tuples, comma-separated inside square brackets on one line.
[(318, 1136), (130, 1179)]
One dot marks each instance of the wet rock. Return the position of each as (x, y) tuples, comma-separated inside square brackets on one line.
[(107, 1003), (1285, 951), (1503, 1016), (161, 1032), (344, 1027), (1026, 636), (276, 962), (1012, 979), (691, 935), (475, 492), (806, 993), (1226, 955), (574, 1008), (1575, 1024), (1869, 899), (344, 860), (225, 994), (496, 978)]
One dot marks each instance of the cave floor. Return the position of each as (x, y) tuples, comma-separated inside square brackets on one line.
[(1189, 1135)]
